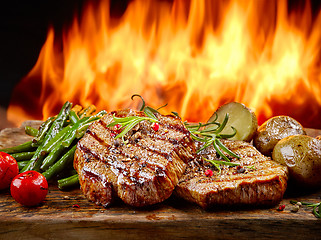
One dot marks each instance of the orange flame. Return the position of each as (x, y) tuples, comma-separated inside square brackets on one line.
[(193, 55)]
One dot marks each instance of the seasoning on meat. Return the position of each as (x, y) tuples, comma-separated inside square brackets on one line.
[(141, 169), (257, 181)]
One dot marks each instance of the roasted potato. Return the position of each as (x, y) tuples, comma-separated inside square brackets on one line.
[(273, 130), (242, 118), (302, 155)]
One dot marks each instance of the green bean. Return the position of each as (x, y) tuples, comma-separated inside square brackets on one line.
[(80, 134), (87, 111), (60, 145), (73, 117), (22, 156), (77, 108), (36, 158), (100, 114), (70, 138), (59, 121), (36, 161), (57, 139), (27, 146), (66, 159), (82, 129), (44, 127), (68, 182), (31, 131), (57, 147), (72, 134), (52, 149), (22, 164), (52, 157)]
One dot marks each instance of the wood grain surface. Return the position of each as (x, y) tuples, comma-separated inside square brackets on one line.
[(68, 215)]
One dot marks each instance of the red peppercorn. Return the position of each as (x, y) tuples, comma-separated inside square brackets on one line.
[(117, 128), (208, 173), (155, 126), (281, 207)]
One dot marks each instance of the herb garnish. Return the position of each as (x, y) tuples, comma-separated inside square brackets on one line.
[(217, 164), (209, 133), (316, 207), (127, 123)]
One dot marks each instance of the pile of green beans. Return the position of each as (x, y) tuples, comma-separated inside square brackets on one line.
[(51, 151)]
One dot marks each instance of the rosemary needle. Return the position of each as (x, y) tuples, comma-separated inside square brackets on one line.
[(127, 123), (316, 207), (209, 133)]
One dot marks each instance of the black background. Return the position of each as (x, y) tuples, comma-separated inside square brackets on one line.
[(23, 31)]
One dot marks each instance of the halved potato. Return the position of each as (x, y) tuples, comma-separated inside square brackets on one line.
[(241, 118)]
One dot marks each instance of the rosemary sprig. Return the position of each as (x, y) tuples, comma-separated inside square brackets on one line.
[(209, 133), (316, 207), (150, 112), (217, 164), (127, 123)]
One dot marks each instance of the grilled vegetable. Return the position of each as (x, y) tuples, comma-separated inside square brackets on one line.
[(27, 146), (68, 182), (273, 130), (56, 126), (302, 155), (31, 131), (241, 118), (23, 156), (59, 166), (51, 150)]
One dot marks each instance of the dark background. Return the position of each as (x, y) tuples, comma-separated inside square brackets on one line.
[(24, 26), (23, 31)]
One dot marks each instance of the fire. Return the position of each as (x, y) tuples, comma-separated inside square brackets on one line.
[(193, 55)]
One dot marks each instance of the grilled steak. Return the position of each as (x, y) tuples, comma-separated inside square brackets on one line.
[(141, 170), (257, 181)]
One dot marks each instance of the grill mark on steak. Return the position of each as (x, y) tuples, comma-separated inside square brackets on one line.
[(141, 173), (264, 185), (154, 136), (176, 127), (166, 122), (154, 166), (124, 154)]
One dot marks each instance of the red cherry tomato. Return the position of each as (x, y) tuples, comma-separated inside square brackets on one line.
[(29, 188), (8, 169)]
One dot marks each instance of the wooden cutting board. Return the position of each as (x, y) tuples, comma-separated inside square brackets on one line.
[(68, 215)]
